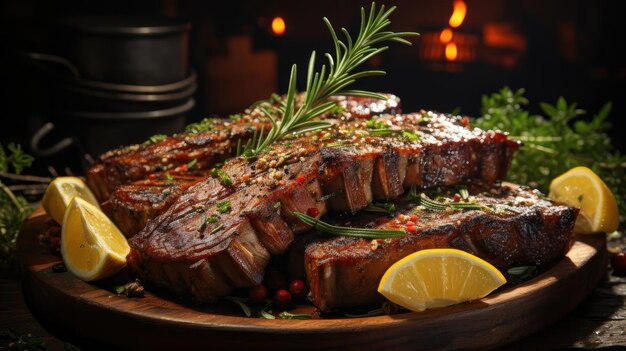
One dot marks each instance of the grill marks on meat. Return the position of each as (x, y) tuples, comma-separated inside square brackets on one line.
[(132, 205), (521, 229), (185, 251), (136, 162)]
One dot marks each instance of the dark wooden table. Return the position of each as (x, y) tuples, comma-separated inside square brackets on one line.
[(598, 323)]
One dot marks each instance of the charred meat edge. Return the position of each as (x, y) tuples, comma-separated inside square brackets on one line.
[(180, 251), (522, 229), (136, 162)]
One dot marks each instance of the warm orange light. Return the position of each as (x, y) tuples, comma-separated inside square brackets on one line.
[(446, 35), (458, 13), (451, 52), (278, 25)]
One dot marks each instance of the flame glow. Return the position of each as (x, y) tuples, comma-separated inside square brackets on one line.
[(278, 25), (446, 35), (458, 13), (451, 52)]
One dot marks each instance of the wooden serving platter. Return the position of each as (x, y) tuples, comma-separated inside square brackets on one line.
[(155, 322)]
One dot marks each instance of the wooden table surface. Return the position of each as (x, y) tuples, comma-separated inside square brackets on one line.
[(598, 323)]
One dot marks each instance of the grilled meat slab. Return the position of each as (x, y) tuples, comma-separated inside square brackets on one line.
[(132, 205), (516, 227), (215, 145), (221, 232)]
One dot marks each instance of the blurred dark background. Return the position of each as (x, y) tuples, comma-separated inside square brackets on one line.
[(569, 48)]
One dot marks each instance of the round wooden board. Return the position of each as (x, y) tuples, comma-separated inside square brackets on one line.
[(154, 322)]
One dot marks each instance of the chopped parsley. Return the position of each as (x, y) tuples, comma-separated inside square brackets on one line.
[(223, 207)]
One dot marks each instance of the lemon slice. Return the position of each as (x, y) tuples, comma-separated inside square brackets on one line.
[(580, 187), (91, 245), (60, 193), (437, 278)]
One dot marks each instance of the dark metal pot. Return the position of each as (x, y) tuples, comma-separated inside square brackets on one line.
[(127, 50), (98, 132), (74, 97)]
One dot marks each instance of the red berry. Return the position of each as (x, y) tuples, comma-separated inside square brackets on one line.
[(300, 179), (368, 139), (297, 288), (275, 280), (282, 298), (466, 121), (184, 167), (456, 198), (413, 218), (313, 212), (618, 262), (257, 294), (152, 176), (411, 229)]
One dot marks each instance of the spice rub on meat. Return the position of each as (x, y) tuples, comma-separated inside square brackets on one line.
[(212, 141), (510, 226), (220, 234)]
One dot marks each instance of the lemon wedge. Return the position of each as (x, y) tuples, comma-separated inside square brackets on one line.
[(580, 187), (437, 278), (60, 193), (91, 245)]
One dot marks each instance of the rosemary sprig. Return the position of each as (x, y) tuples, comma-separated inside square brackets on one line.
[(320, 85), (288, 315), (442, 206), (367, 233), (380, 207), (241, 302)]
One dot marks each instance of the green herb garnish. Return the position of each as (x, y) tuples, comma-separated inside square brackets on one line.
[(381, 207), (223, 207), (192, 163), (321, 85), (348, 231), (241, 303), (287, 315), (199, 127), (169, 179), (222, 176), (561, 139), (14, 209), (155, 139), (432, 205)]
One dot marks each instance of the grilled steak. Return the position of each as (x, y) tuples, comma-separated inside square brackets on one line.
[(515, 227), (132, 205), (207, 147), (220, 233)]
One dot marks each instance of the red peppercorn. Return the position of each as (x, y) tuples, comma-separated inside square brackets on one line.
[(618, 262), (275, 280), (313, 212), (368, 139), (300, 179), (152, 176), (465, 121), (413, 218), (184, 167), (257, 294), (298, 289), (411, 229), (456, 198), (282, 298)]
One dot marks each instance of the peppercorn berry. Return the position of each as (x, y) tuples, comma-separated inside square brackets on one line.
[(456, 198), (275, 280), (257, 294), (313, 212), (297, 288), (300, 179), (282, 298), (618, 262)]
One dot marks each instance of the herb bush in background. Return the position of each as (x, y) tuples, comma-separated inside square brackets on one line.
[(554, 143)]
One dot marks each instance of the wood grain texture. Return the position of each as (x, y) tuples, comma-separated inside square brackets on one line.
[(155, 322)]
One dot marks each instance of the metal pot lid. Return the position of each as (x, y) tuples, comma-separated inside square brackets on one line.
[(125, 25), (110, 116)]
